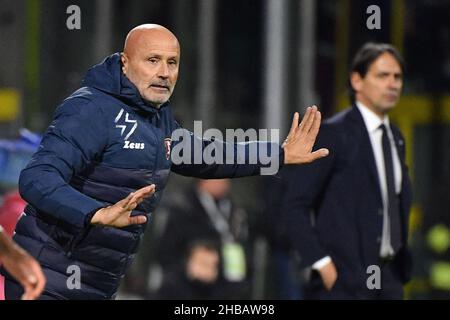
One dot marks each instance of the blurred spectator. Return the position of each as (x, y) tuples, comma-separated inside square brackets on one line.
[(23, 267), (10, 211), (208, 214), (199, 277), (14, 155)]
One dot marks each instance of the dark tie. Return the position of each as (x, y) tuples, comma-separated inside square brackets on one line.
[(392, 200)]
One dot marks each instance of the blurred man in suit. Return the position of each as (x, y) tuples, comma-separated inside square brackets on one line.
[(348, 213)]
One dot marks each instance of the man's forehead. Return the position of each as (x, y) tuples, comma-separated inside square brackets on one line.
[(149, 41), (166, 48), (386, 62), (158, 51)]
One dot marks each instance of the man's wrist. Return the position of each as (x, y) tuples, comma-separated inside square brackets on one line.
[(321, 263), (282, 156), (96, 217)]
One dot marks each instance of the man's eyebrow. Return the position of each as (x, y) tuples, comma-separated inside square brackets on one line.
[(390, 72), (159, 56)]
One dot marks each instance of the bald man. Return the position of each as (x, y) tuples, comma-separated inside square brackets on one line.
[(104, 162)]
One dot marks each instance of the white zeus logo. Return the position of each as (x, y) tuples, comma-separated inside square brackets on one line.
[(129, 123), (132, 145)]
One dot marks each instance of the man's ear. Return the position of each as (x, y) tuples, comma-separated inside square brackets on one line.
[(356, 81), (124, 60)]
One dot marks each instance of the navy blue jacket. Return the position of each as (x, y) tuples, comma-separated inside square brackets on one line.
[(342, 191), (104, 142)]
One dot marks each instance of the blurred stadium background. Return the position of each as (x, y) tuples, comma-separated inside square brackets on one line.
[(248, 64)]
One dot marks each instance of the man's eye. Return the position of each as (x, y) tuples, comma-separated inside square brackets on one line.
[(153, 60)]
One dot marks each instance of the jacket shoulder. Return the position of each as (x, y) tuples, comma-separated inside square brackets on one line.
[(85, 101), (338, 120)]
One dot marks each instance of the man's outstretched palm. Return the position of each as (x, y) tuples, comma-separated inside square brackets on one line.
[(118, 215), (301, 138)]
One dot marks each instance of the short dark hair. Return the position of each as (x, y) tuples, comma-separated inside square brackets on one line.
[(364, 58)]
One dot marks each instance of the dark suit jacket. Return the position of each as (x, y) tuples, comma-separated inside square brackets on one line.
[(334, 206)]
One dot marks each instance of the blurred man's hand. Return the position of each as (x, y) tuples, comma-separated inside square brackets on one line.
[(23, 267), (329, 275), (301, 138), (118, 215)]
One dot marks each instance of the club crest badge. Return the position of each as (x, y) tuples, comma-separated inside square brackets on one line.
[(167, 145)]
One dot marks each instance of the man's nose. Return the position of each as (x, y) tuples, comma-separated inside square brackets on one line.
[(163, 71), (395, 83)]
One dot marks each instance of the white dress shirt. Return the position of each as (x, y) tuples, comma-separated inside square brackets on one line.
[(373, 122)]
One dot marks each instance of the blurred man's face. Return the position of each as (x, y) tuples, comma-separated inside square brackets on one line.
[(152, 64), (203, 265), (217, 188), (380, 89)]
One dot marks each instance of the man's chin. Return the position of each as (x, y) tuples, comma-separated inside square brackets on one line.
[(390, 106), (155, 102)]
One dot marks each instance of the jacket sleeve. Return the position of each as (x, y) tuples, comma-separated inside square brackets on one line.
[(304, 186), (76, 136), (214, 159)]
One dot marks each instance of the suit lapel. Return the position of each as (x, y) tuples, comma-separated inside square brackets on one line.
[(359, 132), (405, 195), (399, 144)]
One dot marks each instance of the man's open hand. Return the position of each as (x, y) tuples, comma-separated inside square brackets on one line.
[(301, 138), (118, 215), (23, 267)]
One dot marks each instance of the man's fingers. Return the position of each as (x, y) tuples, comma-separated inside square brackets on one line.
[(138, 220), (119, 214), (135, 197), (142, 194), (132, 205), (33, 282), (41, 281), (321, 153), (315, 127), (26, 295), (39, 288), (294, 124), (305, 118), (27, 292), (125, 202), (146, 191), (308, 122)]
